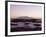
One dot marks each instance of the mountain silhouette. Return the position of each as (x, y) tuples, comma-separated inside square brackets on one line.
[(24, 17)]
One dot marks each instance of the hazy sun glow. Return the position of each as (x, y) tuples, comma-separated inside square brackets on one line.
[(25, 10)]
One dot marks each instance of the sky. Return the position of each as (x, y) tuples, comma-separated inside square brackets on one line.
[(25, 10)]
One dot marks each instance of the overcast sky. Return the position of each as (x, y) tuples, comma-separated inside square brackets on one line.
[(25, 10)]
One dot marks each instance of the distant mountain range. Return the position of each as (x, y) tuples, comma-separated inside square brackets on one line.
[(26, 19)]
